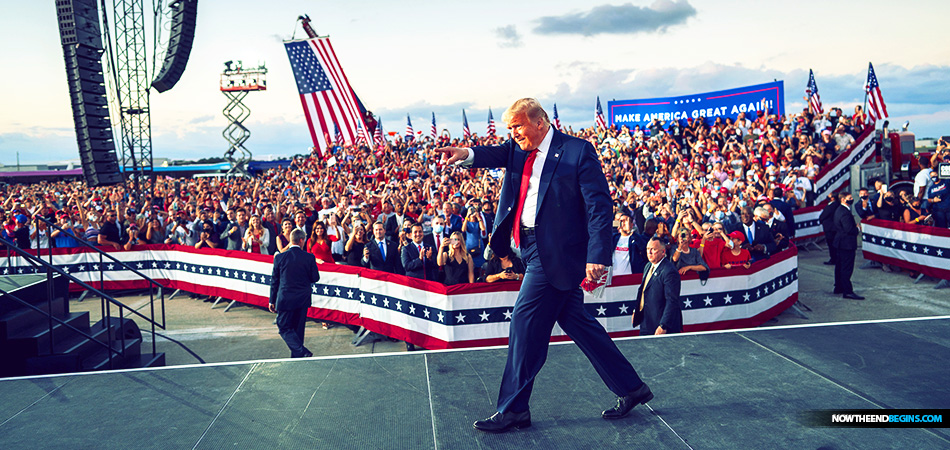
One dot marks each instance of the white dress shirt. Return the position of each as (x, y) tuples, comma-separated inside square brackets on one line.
[(530, 210)]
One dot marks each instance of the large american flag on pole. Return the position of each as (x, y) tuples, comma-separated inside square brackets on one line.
[(434, 131), (409, 133), (491, 124), (814, 101), (379, 131), (466, 131), (557, 122), (599, 116), (876, 107), (325, 92)]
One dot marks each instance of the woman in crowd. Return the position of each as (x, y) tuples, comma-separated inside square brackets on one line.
[(256, 237), (338, 237), (353, 251), (319, 244), (508, 268), (686, 258), (457, 262), (283, 239)]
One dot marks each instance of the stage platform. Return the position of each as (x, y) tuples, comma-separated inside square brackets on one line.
[(723, 390)]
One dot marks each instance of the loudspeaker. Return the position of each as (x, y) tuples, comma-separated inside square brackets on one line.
[(184, 18), (82, 53)]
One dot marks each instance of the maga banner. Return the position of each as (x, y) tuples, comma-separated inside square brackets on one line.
[(726, 104)]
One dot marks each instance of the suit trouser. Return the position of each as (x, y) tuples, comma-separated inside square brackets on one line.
[(539, 306), (291, 325), (844, 267), (832, 251)]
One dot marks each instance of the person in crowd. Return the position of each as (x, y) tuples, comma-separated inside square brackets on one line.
[(338, 237), (759, 239), (319, 243), (109, 233), (685, 258), (889, 207), (256, 236), (939, 198), (207, 238), (865, 207), (154, 232), (502, 268), (39, 234), (737, 254), (283, 239), (629, 247), (380, 253), (475, 232), (846, 243), (914, 213), (237, 229), (419, 261), (456, 261), (777, 226), (22, 232), (353, 251)]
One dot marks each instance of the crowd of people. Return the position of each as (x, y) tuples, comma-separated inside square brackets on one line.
[(720, 192)]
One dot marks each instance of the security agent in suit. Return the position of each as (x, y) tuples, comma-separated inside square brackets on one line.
[(381, 254), (419, 264), (658, 310), (846, 244), (564, 233), (295, 271), (761, 243), (826, 219)]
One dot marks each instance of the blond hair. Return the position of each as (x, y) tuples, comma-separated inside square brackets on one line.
[(528, 106)]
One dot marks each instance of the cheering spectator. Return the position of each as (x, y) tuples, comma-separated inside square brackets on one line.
[(319, 244), (939, 194), (629, 247), (337, 235), (685, 258), (283, 239), (207, 238), (154, 233), (456, 261), (256, 236), (714, 241), (736, 255), (237, 229), (353, 250), (109, 233)]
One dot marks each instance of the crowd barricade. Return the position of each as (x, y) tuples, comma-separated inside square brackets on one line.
[(808, 230), (909, 246), (427, 313), (834, 175)]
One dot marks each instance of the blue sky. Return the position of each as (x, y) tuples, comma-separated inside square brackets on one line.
[(419, 57)]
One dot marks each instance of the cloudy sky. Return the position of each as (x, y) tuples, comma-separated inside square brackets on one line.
[(418, 57)]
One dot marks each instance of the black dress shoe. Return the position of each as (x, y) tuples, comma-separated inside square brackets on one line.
[(627, 402), (853, 296), (502, 422)]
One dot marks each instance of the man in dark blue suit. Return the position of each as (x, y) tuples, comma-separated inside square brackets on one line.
[(555, 204), (417, 259), (381, 254), (290, 288), (658, 310)]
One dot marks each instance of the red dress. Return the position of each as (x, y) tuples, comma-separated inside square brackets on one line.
[(321, 251)]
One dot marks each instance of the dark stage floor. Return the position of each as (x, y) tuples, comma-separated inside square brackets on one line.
[(726, 390)]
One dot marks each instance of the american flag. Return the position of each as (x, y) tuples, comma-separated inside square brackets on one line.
[(361, 136), (379, 131), (409, 133), (599, 115), (434, 131), (557, 122), (814, 100), (466, 132), (325, 92), (337, 136), (876, 107), (491, 124)]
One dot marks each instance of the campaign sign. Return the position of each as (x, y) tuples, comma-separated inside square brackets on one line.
[(709, 105)]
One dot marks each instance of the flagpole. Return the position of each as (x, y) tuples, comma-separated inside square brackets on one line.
[(865, 110)]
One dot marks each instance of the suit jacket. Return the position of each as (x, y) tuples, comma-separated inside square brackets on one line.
[(661, 302), (762, 235), (574, 210), (779, 227), (826, 218), (393, 224), (846, 230), (789, 214), (637, 247), (294, 272), (391, 263), (426, 269)]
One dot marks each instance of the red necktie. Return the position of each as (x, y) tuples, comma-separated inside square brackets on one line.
[(525, 178)]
